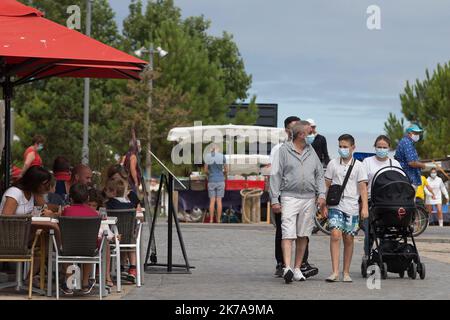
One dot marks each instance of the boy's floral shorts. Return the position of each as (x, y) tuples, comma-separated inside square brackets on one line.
[(344, 222)]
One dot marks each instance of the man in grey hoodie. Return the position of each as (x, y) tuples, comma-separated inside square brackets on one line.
[(300, 184)]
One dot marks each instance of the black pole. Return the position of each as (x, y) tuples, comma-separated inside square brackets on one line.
[(151, 241), (7, 95), (180, 238), (171, 216)]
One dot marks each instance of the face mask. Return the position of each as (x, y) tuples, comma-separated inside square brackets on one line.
[(310, 139), (382, 152), (415, 137), (40, 147), (433, 175), (344, 152)]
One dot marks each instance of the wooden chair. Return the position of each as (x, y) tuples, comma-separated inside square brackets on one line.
[(14, 240)]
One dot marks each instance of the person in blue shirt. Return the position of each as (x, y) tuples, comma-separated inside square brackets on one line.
[(406, 155), (216, 169)]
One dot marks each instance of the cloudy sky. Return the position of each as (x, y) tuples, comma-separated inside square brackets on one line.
[(317, 58)]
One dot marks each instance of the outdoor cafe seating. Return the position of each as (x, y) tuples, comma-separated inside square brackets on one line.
[(71, 240), (79, 245), (15, 235), (130, 229)]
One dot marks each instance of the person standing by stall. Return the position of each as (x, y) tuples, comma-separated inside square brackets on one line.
[(435, 198), (216, 169)]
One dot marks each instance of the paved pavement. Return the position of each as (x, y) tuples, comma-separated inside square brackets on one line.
[(236, 262)]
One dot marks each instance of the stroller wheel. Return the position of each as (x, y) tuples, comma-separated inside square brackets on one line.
[(402, 274), (421, 270), (384, 271), (412, 271)]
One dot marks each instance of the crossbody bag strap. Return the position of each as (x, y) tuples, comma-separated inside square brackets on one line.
[(347, 176)]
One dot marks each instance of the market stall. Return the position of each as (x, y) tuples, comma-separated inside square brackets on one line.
[(245, 171)]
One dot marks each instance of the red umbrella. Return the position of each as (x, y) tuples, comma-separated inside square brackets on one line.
[(34, 48)]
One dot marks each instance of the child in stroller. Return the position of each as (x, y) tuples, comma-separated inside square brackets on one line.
[(391, 212)]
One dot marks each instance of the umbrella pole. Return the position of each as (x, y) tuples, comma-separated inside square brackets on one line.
[(7, 95)]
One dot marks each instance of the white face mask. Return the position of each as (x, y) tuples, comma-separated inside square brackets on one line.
[(433, 175), (415, 137)]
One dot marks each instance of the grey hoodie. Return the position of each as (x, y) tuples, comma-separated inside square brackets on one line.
[(299, 175)]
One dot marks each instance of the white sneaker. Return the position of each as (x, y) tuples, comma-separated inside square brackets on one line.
[(298, 275)]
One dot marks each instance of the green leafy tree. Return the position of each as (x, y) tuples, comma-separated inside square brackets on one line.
[(208, 69), (427, 103), (198, 80), (394, 129), (54, 107)]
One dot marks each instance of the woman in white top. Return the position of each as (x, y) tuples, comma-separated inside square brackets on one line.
[(374, 164), (26, 193), (380, 160), (438, 187)]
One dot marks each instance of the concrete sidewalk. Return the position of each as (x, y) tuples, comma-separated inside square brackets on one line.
[(237, 262)]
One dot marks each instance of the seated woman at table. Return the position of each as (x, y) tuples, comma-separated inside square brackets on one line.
[(27, 192), (24, 195), (79, 196), (116, 191)]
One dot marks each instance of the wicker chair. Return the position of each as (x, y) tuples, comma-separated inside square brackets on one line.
[(79, 245), (14, 240), (130, 230)]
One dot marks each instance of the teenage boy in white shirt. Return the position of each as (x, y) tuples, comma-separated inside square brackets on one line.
[(344, 217)]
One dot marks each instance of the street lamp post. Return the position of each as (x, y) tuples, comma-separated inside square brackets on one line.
[(162, 53), (87, 85), (148, 159)]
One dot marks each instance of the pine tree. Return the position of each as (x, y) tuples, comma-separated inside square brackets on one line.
[(427, 103)]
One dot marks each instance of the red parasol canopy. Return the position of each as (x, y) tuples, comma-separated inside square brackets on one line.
[(34, 48)]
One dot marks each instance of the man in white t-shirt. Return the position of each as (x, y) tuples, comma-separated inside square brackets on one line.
[(344, 217)]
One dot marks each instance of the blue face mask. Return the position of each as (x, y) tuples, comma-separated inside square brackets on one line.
[(344, 152), (310, 139), (382, 153)]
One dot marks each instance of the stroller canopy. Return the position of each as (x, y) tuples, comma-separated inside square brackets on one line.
[(392, 187)]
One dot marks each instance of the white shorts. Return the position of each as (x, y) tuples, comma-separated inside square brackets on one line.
[(297, 217)]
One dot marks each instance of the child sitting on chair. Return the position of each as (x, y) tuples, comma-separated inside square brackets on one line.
[(95, 202), (79, 196), (116, 191)]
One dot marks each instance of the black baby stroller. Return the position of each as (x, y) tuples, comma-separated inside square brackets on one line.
[(391, 214)]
